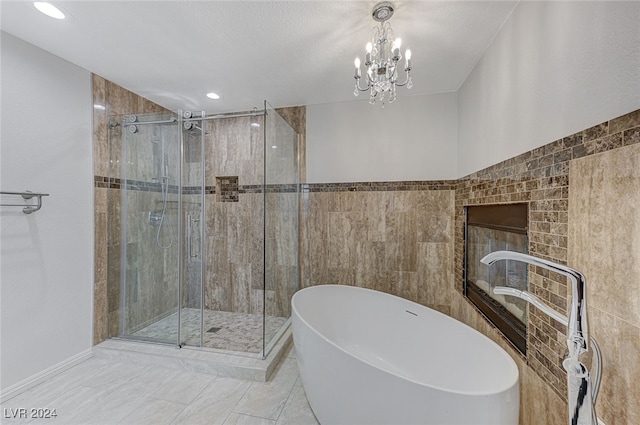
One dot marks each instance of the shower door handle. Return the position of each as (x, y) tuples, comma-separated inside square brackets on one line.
[(190, 221)]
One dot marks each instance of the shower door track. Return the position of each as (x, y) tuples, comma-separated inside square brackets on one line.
[(257, 113)]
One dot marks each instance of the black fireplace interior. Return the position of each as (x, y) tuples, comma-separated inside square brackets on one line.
[(492, 228)]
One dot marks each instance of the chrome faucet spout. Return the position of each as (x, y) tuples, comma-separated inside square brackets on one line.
[(578, 328), (581, 393)]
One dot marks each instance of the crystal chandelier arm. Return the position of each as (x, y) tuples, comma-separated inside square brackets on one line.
[(358, 84), (406, 80), (407, 69)]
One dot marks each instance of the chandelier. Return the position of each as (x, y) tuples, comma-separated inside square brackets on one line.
[(381, 60)]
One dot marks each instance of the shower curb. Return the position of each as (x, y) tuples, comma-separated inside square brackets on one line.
[(219, 363)]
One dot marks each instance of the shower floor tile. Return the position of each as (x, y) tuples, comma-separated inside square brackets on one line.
[(235, 331)]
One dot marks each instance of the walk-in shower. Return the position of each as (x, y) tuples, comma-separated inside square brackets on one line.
[(204, 229)]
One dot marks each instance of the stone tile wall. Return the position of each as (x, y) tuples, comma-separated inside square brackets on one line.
[(115, 100), (391, 237), (604, 243)]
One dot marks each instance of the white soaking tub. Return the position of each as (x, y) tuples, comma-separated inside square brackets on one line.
[(366, 357)]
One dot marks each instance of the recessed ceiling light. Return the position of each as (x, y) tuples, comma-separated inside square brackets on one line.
[(49, 9), (255, 124), (100, 107), (212, 95)]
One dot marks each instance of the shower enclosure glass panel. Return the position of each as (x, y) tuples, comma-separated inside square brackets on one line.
[(281, 199), (150, 230)]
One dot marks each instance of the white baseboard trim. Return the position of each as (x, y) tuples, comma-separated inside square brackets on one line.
[(32, 381)]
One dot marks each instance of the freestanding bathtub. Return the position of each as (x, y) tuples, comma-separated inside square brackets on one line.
[(366, 357)]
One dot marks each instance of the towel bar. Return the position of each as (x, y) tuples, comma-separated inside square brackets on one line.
[(28, 209)]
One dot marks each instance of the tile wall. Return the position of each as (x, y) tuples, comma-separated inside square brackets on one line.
[(393, 237), (115, 100), (604, 243)]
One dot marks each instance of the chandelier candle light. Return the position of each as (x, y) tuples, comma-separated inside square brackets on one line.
[(381, 59)]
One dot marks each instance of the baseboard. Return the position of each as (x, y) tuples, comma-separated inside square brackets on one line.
[(36, 379)]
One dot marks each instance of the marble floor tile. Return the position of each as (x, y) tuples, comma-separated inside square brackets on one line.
[(184, 388), (215, 403), (297, 410), (103, 391), (222, 329), (154, 412), (238, 419), (267, 399), (111, 375), (43, 394)]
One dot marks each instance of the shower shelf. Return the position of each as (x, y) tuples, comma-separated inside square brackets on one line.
[(27, 209)]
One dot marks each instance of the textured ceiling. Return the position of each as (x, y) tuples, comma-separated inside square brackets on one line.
[(287, 52)]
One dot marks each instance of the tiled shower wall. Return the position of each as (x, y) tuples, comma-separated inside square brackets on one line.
[(108, 99)]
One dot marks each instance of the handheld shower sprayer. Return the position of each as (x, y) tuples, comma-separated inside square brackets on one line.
[(161, 172), (166, 166)]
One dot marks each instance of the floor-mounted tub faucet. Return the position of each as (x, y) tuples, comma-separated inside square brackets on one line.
[(582, 394)]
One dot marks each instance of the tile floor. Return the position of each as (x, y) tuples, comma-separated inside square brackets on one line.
[(100, 391), (236, 331)]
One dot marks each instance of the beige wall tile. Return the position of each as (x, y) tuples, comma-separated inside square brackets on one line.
[(604, 244), (371, 239)]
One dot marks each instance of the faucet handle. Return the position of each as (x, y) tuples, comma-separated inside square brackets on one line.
[(532, 299)]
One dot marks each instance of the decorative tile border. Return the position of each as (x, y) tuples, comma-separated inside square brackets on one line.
[(115, 183), (381, 186)]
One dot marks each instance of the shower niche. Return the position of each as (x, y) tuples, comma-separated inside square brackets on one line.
[(492, 228), (183, 268)]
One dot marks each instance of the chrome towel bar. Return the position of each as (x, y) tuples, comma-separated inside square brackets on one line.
[(28, 209)]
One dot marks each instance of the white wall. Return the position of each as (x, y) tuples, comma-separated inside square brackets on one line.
[(46, 257), (554, 69), (412, 139)]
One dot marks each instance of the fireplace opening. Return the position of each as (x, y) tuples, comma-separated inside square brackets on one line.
[(492, 228)]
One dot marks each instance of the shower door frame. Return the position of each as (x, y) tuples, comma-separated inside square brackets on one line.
[(185, 251)]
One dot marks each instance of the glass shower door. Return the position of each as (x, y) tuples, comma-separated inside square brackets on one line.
[(149, 248), (281, 209)]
